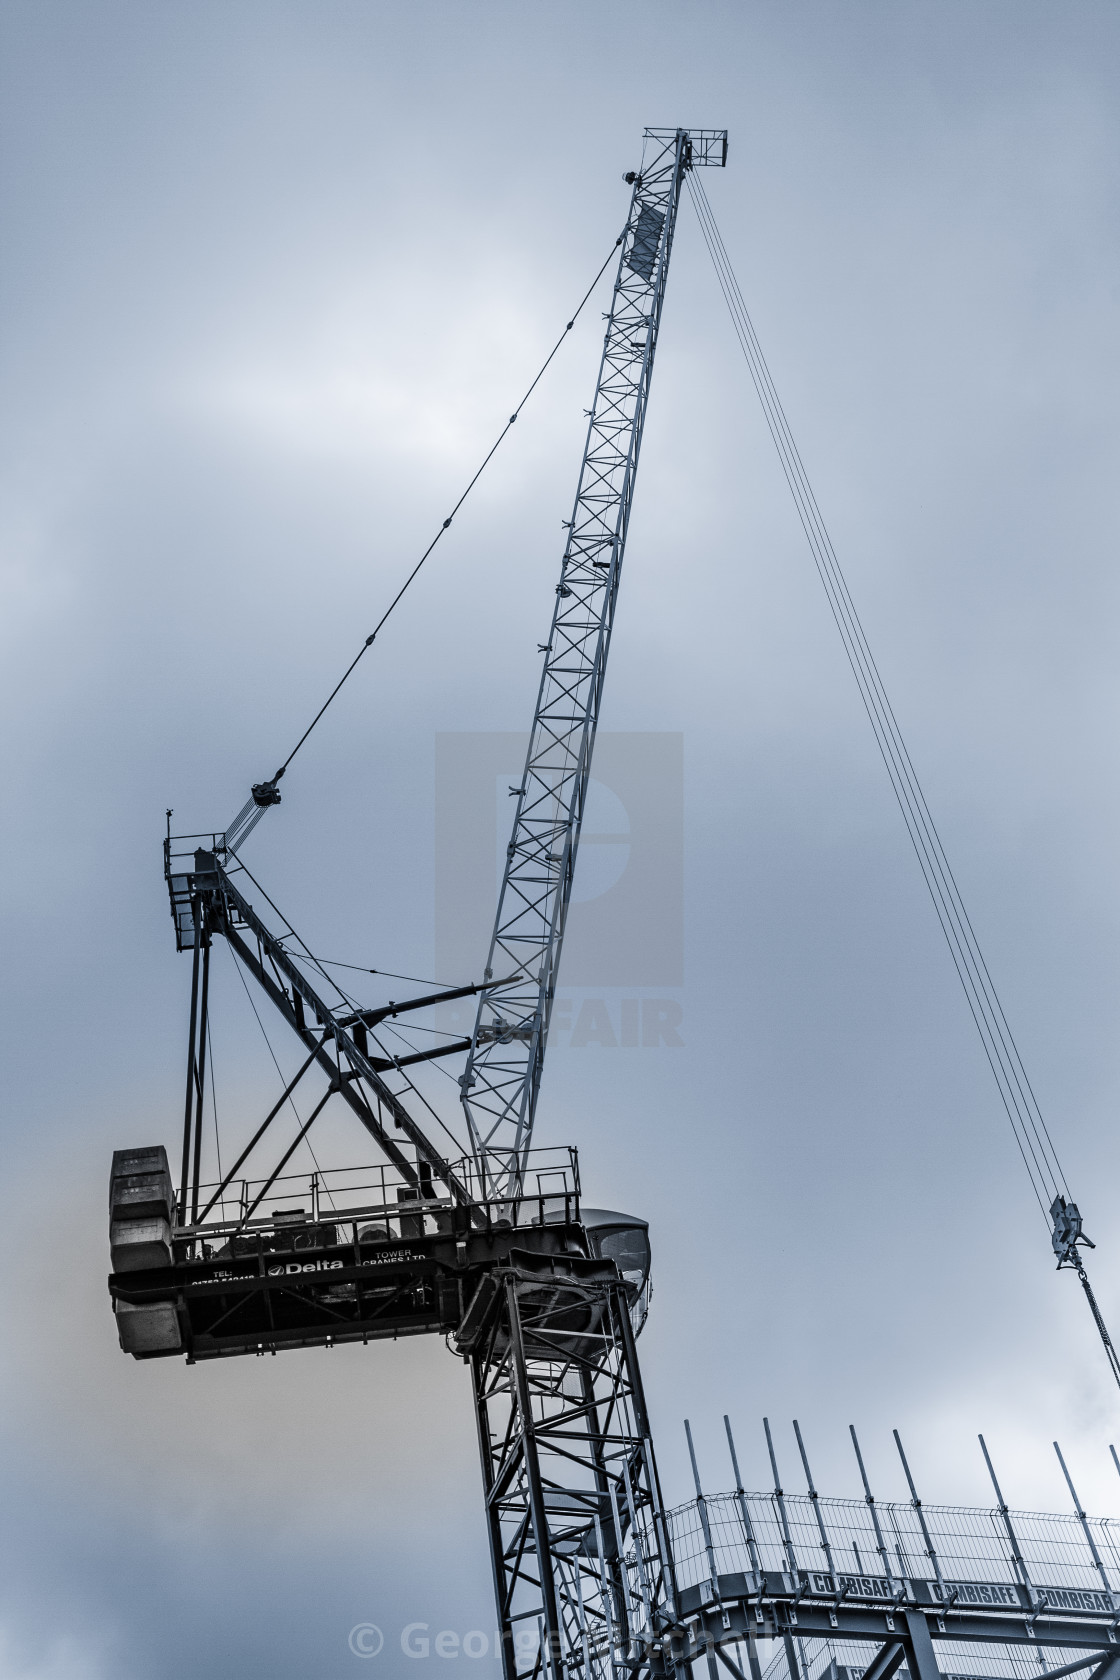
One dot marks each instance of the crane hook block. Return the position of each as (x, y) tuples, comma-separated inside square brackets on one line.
[(265, 793), (1067, 1229)]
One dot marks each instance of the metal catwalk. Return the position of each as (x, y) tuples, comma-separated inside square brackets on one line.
[(857, 1589)]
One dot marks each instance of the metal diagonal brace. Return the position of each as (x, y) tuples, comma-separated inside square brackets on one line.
[(733, 1667), (277, 995), (259, 1133), (228, 894), (1106, 1669), (886, 1660)]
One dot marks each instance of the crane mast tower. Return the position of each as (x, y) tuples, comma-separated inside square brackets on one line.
[(541, 1297)]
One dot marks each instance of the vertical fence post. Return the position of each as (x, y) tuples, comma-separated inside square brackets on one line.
[(917, 1504), (791, 1556), (1085, 1529), (741, 1497), (1013, 1541), (1012, 1537), (869, 1501), (815, 1498), (787, 1537), (702, 1511)]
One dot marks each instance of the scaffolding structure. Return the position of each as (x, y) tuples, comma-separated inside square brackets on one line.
[(855, 1589)]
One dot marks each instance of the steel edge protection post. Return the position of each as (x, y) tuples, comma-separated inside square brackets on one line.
[(1085, 1529), (815, 1498), (792, 1653), (741, 1497), (1012, 1537), (787, 1537), (752, 1545), (702, 1511), (869, 1501), (926, 1536)]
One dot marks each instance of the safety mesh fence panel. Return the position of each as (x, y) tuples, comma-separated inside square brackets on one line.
[(967, 1544), (829, 1659)]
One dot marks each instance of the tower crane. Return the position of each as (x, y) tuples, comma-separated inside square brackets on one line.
[(487, 1241)]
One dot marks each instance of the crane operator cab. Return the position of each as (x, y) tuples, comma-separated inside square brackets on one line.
[(625, 1240)]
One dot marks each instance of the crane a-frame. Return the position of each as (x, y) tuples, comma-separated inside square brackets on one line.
[(488, 1242)]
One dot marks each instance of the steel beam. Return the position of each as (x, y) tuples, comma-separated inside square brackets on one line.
[(919, 1648), (573, 1509), (886, 1660)]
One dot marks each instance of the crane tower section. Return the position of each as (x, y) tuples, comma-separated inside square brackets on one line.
[(502, 1076)]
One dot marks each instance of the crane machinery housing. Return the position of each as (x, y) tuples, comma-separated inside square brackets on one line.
[(489, 1242)]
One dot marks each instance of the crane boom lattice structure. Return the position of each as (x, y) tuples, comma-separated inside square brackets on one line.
[(502, 1077)]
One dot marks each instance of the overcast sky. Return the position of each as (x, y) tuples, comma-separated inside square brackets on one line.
[(273, 275)]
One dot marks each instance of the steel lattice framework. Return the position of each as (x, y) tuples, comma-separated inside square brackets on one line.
[(861, 1590), (582, 1567), (502, 1076)]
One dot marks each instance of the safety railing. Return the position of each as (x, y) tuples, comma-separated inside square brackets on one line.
[(968, 1548), (377, 1203)]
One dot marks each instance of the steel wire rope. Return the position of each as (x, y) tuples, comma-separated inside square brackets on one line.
[(307, 951), (346, 998), (959, 933), (435, 1063), (283, 1081), (387, 973), (1020, 1104), (413, 1027), (410, 1083), (214, 1103), (254, 808)]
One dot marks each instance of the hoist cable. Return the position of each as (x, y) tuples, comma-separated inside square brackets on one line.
[(1020, 1104), (265, 794), (385, 973), (276, 1065), (213, 1095), (307, 952)]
